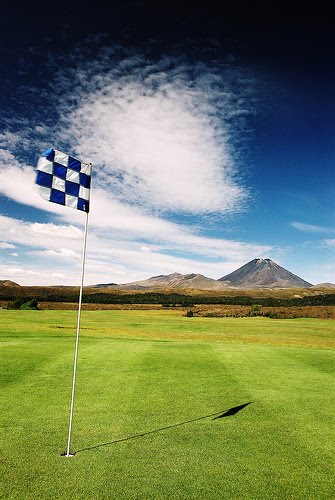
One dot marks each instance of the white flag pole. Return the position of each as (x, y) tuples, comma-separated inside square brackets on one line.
[(68, 454)]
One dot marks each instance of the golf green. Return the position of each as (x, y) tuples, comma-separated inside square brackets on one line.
[(150, 385)]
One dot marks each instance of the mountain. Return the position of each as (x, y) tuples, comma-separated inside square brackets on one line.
[(174, 281), (263, 273), (258, 273)]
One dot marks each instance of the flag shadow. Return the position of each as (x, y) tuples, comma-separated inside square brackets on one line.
[(232, 411), (216, 415)]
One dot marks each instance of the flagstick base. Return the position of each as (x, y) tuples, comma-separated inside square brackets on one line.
[(67, 455)]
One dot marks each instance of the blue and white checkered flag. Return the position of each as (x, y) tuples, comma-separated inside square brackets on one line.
[(62, 179)]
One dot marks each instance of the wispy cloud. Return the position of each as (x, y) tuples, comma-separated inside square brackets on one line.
[(165, 138), (63, 253), (161, 134), (4, 244), (122, 256), (310, 228), (57, 231), (329, 243), (33, 234)]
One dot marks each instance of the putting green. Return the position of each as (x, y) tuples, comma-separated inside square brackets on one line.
[(149, 385)]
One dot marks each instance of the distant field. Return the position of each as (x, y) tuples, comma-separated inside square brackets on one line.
[(149, 385), (276, 303), (11, 292), (322, 312)]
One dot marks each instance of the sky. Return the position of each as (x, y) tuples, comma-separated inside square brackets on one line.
[(210, 130)]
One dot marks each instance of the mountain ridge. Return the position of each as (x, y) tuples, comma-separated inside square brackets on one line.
[(258, 273), (175, 281)]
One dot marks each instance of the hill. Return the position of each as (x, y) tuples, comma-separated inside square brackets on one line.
[(324, 285), (8, 283)]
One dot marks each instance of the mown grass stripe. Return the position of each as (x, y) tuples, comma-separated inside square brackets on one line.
[(142, 374)]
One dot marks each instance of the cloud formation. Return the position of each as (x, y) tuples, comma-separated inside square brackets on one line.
[(164, 137), (122, 258), (159, 133)]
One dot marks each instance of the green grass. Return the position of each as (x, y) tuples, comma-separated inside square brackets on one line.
[(143, 371)]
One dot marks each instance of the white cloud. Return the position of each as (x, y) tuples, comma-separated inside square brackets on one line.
[(4, 244), (63, 253), (116, 255), (14, 178), (12, 272), (159, 134), (57, 231), (126, 221), (17, 271), (58, 276), (50, 236), (162, 139), (310, 228), (17, 181), (329, 243), (31, 275), (156, 150)]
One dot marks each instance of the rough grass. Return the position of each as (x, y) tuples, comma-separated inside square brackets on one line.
[(279, 312), (322, 312), (147, 383)]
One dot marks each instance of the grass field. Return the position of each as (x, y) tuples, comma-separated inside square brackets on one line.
[(149, 385)]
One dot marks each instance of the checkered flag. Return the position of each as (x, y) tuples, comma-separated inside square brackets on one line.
[(62, 179)]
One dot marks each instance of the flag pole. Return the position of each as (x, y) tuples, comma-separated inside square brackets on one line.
[(68, 454)]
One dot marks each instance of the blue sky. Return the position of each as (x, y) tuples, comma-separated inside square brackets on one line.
[(211, 137)]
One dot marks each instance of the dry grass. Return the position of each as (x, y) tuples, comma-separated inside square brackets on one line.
[(223, 311), (219, 311), (280, 293), (72, 306)]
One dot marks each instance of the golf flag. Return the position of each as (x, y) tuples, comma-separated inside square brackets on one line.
[(62, 179)]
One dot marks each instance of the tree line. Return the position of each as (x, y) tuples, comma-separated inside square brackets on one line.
[(175, 299)]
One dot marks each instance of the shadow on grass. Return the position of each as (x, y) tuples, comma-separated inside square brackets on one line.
[(232, 411), (218, 414)]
